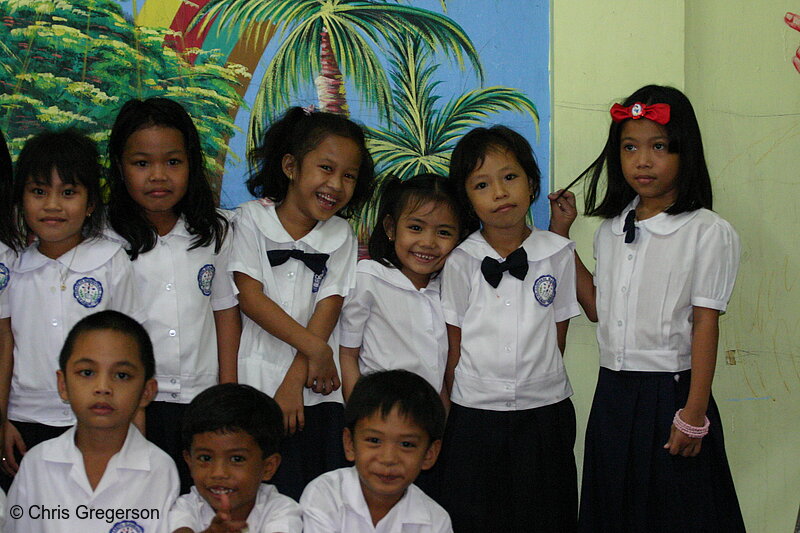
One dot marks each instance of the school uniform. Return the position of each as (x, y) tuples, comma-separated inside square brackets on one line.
[(46, 299), (272, 513), (182, 288), (646, 291), (395, 324), (7, 257), (507, 460), (334, 503), (135, 493), (296, 288)]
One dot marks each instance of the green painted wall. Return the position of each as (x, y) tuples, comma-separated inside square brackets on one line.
[(733, 60)]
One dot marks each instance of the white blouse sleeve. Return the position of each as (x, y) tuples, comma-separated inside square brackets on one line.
[(565, 305), (355, 312), (456, 288), (715, 267), (244, 255), (125, 297), (223, 292), (341, 275)]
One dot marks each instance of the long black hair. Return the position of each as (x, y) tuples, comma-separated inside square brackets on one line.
[(9, 226), (298, 132), (398, 197), (197, 206), (693, 182), (74, 157)]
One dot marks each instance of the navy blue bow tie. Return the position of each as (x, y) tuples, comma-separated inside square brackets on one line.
[(315, 262), (516, 264), (630, 226)]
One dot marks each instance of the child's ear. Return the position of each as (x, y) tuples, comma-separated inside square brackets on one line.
[(389, 226), (188, 458), (148, 393), (349, 445), (271, 465), (289, 166), (62, 386), (431, 454)]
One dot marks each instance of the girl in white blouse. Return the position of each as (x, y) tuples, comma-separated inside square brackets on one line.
[(655, 456)]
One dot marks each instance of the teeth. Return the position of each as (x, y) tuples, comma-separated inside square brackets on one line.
[(423, 256), (219, 490), (327, 198)]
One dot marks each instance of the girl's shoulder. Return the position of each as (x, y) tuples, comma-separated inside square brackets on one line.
[(89, 255)]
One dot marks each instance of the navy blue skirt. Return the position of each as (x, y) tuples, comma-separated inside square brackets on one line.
[(630, 482)]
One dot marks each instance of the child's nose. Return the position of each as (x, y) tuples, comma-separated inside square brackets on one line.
[(157, 173), (102, 385), (218, 469), (388, 455)]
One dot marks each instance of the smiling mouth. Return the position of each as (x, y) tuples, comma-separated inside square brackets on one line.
[(328, 201), (219, 491), (52, 220), (425, 258)]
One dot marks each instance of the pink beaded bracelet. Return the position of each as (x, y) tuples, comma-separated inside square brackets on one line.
[(689, 430)]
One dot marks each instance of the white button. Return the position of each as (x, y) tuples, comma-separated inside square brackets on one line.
[(508, 303), (509, 404), (508, 348), (508, 387), (619, 322), (54, 322), (630, 256), (163, 242), (174, 394), (284, 302), (624, 289), (169, 286), (173, 381), (65, 411), (290, 275), (619, 359), (172, 333)]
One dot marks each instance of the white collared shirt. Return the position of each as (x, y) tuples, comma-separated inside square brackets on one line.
[(272, 513), (7, 258), (181, 289), (97, 275), (264, 359), (395, 324), (334, 503), (139, 485), (646, 289), (510, 358)]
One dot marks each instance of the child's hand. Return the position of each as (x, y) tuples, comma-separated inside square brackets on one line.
[(681, 443), (562, 212), (323, 377), (222, 522), (290, 399), (12, 440)]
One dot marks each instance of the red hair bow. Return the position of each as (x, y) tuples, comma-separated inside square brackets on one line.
[(656, 112)]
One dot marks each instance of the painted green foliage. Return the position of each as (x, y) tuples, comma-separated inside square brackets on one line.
[(75, 63)]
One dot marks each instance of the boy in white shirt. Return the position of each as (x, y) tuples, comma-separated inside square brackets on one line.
[(231, 434), (101, 475), (394, 424)]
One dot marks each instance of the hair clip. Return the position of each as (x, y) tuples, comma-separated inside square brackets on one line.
[(308, 109), (656, 112)]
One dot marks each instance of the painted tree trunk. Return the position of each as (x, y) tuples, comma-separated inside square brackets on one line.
[(330, 83)]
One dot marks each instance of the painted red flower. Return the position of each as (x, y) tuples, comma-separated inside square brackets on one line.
[(793, 21)]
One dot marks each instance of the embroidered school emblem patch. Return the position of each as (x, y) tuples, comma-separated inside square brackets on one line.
[(544, 289), (318, 280), (126, 526), (88, 292), (204, 278), (5, 275)]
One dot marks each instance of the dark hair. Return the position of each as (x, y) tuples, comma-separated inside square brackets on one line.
[(197, 205), (693, 181), (114, 321), (231, 407), (74, 157), (297, 133), (380, 392), (9, 227), (471, 150), (398, 197)]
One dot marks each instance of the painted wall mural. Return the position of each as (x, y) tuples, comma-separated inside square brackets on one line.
[(418, 74), (793, 21)]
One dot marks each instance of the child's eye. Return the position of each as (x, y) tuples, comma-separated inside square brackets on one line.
[(445, 233), (140, 163), (124, 376), (481, 185), (415, 227), (326, 168), (174, 162), (372, 440), (660, 146), (203, 457), (85, 372), (38, 191), (510, 177), (628, 147), (351, 176), (407, 444), (69, 192), (238, 459)]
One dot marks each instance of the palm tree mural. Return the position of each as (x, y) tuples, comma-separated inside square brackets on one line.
[(422, 135), (336, 39)]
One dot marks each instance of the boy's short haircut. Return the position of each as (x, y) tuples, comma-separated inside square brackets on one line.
[(114, 321), (232, 407), (382, 391)]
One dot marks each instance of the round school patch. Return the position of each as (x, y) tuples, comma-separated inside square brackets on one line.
[(204, 278), (88, 292), (544, 289), (318, 280), (5, 275), (126, 526)]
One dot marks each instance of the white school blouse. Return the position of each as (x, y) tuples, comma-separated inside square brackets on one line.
[(646, 289), (394, 324), (97, 276), (264, 359), (510, 359), (7, 258), (272, 513), (139, 485), (181, 289), (334, 503)]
